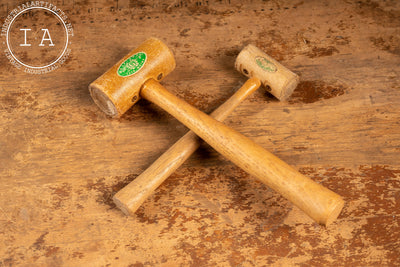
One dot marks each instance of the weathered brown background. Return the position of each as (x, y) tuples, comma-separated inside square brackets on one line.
[(61, 159)]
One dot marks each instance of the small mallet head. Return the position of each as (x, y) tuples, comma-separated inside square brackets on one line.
[(279, 80), (119, 88)]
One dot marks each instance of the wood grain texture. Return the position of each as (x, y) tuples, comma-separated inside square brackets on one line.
[(318, 202), (62, 159), (132, 196)]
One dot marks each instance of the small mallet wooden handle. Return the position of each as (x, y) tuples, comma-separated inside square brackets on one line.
[(320, 203), (132, 196)]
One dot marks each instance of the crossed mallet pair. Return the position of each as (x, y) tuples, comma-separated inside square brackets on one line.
[(136, 76)]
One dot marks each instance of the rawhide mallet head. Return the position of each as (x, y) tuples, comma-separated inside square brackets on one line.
[(119, 88), (278, 80)]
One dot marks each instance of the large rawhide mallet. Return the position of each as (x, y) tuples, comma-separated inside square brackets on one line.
[(136, 76)]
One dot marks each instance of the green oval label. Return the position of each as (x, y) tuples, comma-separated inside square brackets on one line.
[(132, 65), (265, 64)]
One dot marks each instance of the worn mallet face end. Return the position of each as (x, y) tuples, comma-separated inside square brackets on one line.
[(119, 88), (253, 62), (289, 87), (103, 101)]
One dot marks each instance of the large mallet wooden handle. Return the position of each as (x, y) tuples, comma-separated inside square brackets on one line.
[(132, 196), (136, 74)]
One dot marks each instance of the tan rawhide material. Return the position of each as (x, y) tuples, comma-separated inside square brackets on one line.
[(115, 94), (279, 81), (136, 76)]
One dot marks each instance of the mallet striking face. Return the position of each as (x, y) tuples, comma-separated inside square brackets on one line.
[(136, 76)]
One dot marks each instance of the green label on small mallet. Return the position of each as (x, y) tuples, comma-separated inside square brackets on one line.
[(132, 65), (265, 64)]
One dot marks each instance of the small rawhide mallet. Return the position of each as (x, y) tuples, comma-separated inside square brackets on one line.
[(137, 75), (278, 80)]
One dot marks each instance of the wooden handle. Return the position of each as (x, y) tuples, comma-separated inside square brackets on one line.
[(320, 203), (132, 196)]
